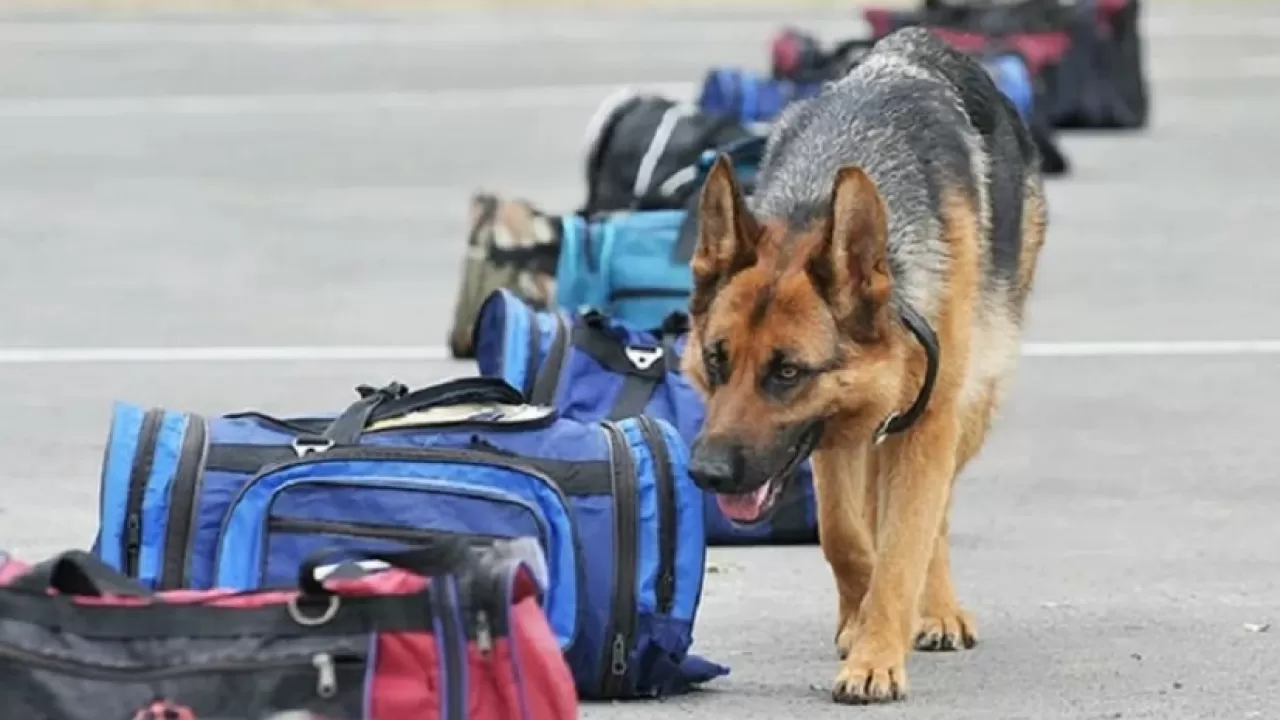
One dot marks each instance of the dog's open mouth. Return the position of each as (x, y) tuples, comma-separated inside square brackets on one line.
[(753, 507)]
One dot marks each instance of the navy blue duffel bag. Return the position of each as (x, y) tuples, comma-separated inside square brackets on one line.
[(239, 501), (591, 366)]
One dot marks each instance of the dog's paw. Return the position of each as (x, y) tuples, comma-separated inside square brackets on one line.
[(947, 632), (871, 677)]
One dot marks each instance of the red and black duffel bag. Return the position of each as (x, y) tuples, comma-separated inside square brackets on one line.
[(446, 632)]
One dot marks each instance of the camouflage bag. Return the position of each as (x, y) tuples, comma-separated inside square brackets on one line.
[(513, 245)]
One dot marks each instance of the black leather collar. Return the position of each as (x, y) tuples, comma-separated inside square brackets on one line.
[(898, 422)]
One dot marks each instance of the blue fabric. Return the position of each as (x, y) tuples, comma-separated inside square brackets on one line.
[(754, 98), (623, 263), (587, 389), (550, 478), (1009, 71), (748, 96)]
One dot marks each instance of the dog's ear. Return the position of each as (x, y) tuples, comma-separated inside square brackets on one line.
[(850, 265), (727, 235)]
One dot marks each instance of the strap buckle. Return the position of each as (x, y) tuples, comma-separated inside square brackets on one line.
[(643, 358), (304, 446)]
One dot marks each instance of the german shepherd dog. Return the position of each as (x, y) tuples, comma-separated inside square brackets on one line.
[(864, 307)]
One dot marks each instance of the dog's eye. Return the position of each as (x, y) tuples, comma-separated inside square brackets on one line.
[(787, 372)]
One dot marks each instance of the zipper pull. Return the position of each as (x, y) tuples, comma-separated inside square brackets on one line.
[(618, 664), (667, 589), (327, 680), (484, 636)]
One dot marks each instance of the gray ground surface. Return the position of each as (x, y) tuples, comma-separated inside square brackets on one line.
[(281, 182)]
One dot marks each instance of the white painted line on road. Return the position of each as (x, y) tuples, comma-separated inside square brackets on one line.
[(1153, 348), (429, 353), (528, 97), (524, 97)]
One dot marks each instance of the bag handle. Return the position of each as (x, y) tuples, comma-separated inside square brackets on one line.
[(429, 557), (77, 572), (395, 399)]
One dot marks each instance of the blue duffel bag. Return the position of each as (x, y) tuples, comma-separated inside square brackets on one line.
[(239, 501), (590, 366), (634, 264), (748, 96)]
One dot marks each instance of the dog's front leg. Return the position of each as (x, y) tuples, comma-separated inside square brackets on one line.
[(842, 484), (916, 470)]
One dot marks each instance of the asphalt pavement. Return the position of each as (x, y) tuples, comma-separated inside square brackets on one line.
[(280, 181)]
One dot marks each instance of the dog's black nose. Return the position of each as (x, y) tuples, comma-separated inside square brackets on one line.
[(715, 466)]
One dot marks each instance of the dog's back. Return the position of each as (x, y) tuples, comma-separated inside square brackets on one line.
[(927, 124)]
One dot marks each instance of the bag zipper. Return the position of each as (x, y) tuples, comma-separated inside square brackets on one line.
[(454, 647), (473, 457), (143, 458), (324, 663), (374, 532), (188, 480), (666, 514), (622, 618), (365, 530)]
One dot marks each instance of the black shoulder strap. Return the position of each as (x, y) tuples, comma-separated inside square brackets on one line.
[(642, 367), (79, 573)]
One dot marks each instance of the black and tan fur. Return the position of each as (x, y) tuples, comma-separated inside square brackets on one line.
[(910, 181)]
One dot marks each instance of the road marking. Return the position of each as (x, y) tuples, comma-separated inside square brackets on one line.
[(445, 99), (428, 353), (1152, 348), (524, 97)]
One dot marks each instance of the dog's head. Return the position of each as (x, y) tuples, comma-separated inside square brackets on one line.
[(791, 340)]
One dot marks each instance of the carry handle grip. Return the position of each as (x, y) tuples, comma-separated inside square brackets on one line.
[(430, 556), (77, 572), (395, 399)]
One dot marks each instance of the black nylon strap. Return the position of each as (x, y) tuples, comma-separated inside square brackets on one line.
[(77, 572), (643, 367), (395, 400), (353, 616), (548, 379)]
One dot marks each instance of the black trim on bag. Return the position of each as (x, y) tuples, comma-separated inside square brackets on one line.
[(618, 637), (188, 481), (135, 673), (547, 382), (640, 293), (143, 458), (453, 702), (354, 615), (667, 521), (276, 523), (574, 478)]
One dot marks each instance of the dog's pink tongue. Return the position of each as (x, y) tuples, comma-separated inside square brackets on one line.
[(745, 507)]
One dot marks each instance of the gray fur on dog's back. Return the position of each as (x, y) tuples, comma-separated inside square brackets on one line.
[(920, 118)]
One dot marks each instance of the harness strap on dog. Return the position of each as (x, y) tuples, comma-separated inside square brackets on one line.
[(898, 422)]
